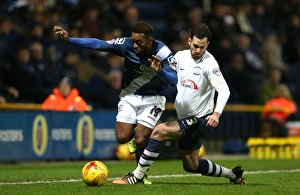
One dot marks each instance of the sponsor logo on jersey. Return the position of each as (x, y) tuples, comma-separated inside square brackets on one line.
[(145, 71), (189, 84), (217, 71)]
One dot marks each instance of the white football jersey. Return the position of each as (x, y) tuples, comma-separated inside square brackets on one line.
[(197, 82)]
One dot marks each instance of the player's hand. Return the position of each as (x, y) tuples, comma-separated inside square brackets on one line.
[(155, 64), (63, 34), (213, 120)]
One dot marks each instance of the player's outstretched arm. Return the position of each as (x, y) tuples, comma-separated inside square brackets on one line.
[(63, 34), (90, 43)]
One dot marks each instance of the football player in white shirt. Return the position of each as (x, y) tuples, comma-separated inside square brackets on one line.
[(199, 77)]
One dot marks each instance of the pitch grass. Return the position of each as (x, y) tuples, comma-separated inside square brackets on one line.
[(168, 177)]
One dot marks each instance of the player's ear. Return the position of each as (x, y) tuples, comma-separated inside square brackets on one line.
[(151, 39), (189, 41)]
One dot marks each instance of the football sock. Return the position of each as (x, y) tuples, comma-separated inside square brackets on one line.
[(208, 168), (150, 153), (137, 155)]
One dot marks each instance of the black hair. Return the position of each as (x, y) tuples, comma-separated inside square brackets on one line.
[(143, 27), (201, 31)]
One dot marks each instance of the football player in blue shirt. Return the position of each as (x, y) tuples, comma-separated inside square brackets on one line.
[(142, 98)]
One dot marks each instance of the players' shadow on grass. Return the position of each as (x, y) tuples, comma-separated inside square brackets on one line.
[(195, 183), (206, 184)]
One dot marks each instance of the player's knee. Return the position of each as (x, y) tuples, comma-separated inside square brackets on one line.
[(122, 138)]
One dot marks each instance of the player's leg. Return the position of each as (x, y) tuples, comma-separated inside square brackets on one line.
[(205, 167), (148, 110), (123, 132), (189, 147), (168, 130), (148, 114), (126, 119), (162, 131)]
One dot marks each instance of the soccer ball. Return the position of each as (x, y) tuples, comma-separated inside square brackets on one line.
[(201, 152), (94, 173), (122, 153)]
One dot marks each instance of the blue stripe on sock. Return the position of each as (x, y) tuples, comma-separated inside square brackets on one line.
[(154, 145)]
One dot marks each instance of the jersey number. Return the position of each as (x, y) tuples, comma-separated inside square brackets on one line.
[(155, 111), (191, 121)]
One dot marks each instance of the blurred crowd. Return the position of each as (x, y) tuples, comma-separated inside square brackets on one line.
[(256, 42)]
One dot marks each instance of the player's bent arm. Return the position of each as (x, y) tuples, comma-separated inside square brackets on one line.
[(223, 96), (90, 43), (169, 77)]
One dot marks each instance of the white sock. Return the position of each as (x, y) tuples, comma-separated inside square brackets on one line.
[(140, 171), (228, 173)]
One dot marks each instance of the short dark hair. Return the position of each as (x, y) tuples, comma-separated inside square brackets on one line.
[(143, 27), (201, 31)]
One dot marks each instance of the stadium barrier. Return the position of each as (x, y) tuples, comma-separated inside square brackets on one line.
[(274, 148), (28, 133), (49, 135)]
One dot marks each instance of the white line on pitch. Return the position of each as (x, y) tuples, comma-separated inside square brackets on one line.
[(150, 176)]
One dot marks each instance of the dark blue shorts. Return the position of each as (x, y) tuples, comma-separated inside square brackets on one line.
[(194, 129)]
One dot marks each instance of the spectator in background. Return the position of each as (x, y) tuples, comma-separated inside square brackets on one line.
[(69, 64), (276, 111), (131, 16), (256, 18), (267, 89), (110, 97), (194, 16), (253, 63), (217, 22), (292, 46), (38, 60), (65, 98), (90, 22), (271, 53), (239, 81), (116, 13), (29, 79), (242, 18), (8, 93)]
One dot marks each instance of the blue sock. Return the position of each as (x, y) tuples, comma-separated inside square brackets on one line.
[(137, 155), (209, 168), (150, 153), (153, 148), (154, 145)]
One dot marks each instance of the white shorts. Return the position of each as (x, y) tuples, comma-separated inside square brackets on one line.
[(145, 110)]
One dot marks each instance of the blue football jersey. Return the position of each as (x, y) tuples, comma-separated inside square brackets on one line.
[(138, 78)]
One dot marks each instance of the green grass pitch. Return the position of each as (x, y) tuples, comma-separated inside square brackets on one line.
[(168, 177)]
